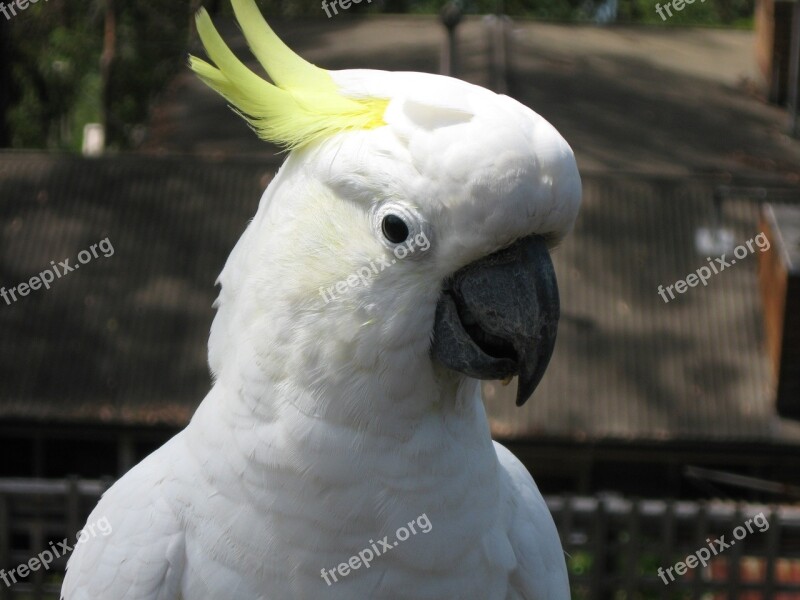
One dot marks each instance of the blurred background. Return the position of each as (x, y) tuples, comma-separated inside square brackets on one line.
[(662, 421)]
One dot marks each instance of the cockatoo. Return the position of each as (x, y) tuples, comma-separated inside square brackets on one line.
[(345, 406)]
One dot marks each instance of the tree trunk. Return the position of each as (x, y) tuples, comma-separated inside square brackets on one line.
[(5, 83), (106, 66)]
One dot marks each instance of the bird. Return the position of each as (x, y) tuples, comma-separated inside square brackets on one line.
[(400, 255)]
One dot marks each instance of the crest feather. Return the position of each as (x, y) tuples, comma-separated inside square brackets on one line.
[(301, 106)]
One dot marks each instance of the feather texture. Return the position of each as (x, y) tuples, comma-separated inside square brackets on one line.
[(302, 105), (328, 425)]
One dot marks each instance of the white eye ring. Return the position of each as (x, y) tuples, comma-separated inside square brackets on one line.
[(385, 222)]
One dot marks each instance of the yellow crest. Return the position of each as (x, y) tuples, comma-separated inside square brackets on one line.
[(302, 105)]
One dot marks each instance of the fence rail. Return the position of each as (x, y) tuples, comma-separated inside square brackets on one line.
[(630, 548), (33, 513), (618, 548)]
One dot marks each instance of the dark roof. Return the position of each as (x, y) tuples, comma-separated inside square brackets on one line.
[(628, 365), (124, 339)]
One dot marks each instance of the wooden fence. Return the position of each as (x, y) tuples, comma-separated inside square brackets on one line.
[(622, 548), (34, 513), (618, 548)]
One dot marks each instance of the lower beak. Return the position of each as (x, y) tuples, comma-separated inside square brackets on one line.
[(498, 316)]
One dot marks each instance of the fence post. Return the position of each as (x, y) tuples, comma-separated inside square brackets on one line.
[(73, 505), (632, 549), (667, 541), (598, 580), (450, 16), (5, 536), (567, 519), (701, 533), (37, 545), (734, 557), (773, 545)]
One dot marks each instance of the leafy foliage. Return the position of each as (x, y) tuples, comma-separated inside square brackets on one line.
[(56, 84), (54, 55)]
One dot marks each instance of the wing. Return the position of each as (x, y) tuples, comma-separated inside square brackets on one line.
[(132, 547), (541, 572)]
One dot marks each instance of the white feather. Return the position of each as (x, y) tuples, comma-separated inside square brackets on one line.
[(328, 424)]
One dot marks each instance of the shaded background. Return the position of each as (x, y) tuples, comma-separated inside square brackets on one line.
[(680, 131)]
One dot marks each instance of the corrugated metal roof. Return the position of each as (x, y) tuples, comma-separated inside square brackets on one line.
[(124, 339), (628, 365)]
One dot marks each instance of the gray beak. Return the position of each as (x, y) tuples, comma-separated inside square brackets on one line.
[(498, 316)]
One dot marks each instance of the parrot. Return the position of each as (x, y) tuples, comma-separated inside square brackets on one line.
[(400, 255)]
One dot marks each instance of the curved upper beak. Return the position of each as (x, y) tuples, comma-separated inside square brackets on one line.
[(498, 316)]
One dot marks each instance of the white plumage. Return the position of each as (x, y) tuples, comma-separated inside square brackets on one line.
[(329, 424)]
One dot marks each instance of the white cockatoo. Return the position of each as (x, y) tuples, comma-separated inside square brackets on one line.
[(400, 255)]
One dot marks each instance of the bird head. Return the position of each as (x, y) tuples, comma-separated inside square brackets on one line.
[(404, 244)]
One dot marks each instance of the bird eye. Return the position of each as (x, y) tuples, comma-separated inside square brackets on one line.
[(402, 229), (394, 229)]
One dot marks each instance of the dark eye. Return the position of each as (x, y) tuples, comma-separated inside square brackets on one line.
[(394, 229)]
